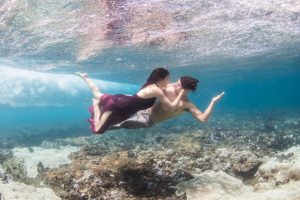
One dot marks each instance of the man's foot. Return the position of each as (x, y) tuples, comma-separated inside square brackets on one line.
[(82, 75)]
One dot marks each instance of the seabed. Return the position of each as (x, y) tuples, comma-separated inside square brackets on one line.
[(234, 156)]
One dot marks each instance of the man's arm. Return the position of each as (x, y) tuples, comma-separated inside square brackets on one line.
[(204, 116)]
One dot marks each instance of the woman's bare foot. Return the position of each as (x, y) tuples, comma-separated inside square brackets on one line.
[(82, 75)]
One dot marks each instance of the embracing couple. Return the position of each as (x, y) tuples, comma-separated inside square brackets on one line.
[(156, 101)]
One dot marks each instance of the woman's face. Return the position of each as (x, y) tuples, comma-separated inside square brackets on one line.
[(164, 82)]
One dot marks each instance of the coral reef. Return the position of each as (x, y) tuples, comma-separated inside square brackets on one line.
[(281, 169), (15, 168), (212, 185), (276, 179), (21, 191), (90, 177), (228, 158), (36, 158)]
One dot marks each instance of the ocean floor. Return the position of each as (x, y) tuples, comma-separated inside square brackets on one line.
[(231, 157)]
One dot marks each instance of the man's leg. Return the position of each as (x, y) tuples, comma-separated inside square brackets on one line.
[(139, 120)]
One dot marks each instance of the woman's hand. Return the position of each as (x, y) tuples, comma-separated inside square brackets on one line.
[(218, 97), (184, 92)]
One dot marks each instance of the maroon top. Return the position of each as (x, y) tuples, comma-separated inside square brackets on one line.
[(122, 107)]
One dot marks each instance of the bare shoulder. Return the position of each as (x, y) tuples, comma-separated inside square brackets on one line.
[(150, 91), (153, 89), (170, 88)]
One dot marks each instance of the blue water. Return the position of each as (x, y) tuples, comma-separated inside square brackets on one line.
[(238, 48)]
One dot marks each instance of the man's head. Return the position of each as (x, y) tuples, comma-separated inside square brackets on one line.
[(188, 83)]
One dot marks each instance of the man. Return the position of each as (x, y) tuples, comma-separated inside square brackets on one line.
[(158, 113)]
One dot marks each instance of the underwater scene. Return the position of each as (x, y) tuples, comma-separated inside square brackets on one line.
[(243, 144)]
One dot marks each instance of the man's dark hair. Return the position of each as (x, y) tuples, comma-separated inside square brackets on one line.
[(189, 83)]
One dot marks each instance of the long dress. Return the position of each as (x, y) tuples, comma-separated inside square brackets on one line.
[(122, 107)]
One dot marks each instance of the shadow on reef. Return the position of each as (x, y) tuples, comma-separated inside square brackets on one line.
[(143, 181), (114, 176)]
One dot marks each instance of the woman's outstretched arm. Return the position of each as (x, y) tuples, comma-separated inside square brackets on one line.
[(95, 90)]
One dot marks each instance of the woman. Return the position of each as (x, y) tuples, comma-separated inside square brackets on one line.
[(108, 110)]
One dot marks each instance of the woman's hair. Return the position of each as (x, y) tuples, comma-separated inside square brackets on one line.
[(189, 83), (156, 75)]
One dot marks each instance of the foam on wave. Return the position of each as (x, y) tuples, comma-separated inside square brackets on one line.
[(27, 88)]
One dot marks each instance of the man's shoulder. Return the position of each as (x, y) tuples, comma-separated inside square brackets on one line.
[(170, 88)]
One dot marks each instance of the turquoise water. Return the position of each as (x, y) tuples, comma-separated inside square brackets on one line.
[(32, 101), (234, 47), (250, 50)]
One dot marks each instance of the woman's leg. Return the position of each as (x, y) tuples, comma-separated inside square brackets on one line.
[(97, 112), (103, 123), (96, 93), (95, 90)]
